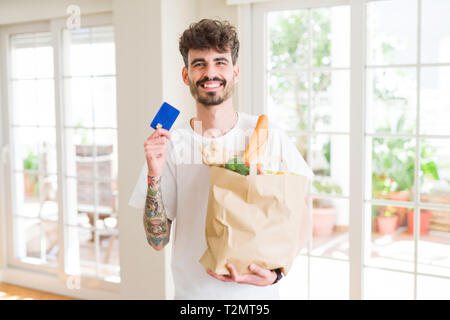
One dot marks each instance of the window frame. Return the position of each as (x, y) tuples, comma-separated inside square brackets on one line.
[(416, 203), (259, 68), (55, 27), (254, 17)]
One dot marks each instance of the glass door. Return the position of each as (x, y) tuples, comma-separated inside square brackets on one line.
[(35, 207), (62, 133), (316, 61), (307, 93), (408, 155), (90, 139)]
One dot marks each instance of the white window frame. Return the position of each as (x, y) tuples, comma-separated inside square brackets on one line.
[(55, 27), (6, 32), (416, 203), (259, 42), (252, 99)]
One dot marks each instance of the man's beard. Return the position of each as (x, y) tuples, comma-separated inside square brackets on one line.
[(213, 98)]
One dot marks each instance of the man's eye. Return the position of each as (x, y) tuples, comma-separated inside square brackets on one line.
[(199, 65)]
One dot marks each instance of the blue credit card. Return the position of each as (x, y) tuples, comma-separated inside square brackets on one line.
[(165, 117)]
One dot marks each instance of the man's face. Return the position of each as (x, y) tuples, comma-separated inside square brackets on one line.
[(210, 76)]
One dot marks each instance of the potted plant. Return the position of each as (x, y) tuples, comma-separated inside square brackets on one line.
[(324, 211), (393, 167), (387, 220), (31, 162), (425, 216)]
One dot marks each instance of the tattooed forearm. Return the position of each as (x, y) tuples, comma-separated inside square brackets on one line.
[(157, 226)]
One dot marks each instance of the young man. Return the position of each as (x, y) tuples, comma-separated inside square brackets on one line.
[(174, 184)]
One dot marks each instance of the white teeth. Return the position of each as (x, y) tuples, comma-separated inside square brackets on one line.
[(213, 85)]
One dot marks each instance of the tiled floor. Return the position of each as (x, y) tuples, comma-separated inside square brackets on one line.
[(329, 278), (108, 246), (434, 247)]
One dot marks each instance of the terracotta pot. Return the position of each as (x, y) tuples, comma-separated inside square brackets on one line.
[(424, 221), (399, 195), (29, 184), (400, 212), (386, 225), (323, 221)]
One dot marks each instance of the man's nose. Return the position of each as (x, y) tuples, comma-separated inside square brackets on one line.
[(210, 71)]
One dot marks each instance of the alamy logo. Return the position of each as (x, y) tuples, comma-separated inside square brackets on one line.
[(73, 282), (74, 20)]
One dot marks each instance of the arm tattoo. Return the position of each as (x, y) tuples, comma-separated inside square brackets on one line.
[(156, 224)]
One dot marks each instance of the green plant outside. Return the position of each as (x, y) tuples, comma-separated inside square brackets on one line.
[(393, 162), (289, 44), (388, 212), (328, 188), (289, 47), (83, 133), (31, 162)]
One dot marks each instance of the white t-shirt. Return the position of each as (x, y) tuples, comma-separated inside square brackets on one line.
[(185, 189)]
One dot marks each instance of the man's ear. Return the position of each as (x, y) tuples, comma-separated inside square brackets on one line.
[(184, 74), (236, 72)]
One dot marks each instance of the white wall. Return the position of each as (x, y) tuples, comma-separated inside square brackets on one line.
[(2, 185), (138, 27), (217, 9), (178, 15), (15, 11)]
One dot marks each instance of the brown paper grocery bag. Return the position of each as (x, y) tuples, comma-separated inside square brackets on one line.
[(261, 219)]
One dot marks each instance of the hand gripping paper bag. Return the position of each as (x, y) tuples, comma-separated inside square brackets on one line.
[(261, 219)]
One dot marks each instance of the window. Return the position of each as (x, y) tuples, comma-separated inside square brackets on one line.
[(305, 52), (90, 131), (63, 138), (408, 67), (308, 87), (33, 129)]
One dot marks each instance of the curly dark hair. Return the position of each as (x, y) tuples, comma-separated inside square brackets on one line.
[(210, 34)]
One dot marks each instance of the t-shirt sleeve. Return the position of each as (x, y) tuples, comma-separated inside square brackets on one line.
[(168, 188), (292, 156), (139, 194)]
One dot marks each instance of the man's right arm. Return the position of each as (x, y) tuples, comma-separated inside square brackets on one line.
[(157, 226)]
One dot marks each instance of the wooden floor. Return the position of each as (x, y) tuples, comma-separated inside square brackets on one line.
[(13, 292)]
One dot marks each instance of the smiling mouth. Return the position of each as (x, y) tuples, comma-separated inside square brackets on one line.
[(211, 85)]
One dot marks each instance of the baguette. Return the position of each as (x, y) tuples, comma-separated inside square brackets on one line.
[(258, 142)]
